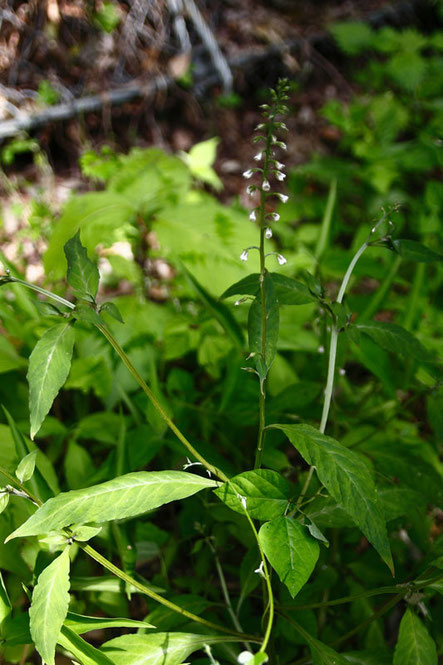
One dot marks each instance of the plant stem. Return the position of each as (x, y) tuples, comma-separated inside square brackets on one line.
[(327, 218), (268, 586), (261, 222), (111, 339), (131, 580), (48, 294), (163, 601), (333, 349)]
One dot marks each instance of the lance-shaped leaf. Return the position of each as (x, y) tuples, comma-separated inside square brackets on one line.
[(83, 652), (255, 324), (158, 648), (126, 496), (80, 624), (415, 251), (49, 365), (49, 606), (82, 274), (414, 645), (5, 604), (26, 467), (291, 551), (396, 339), (290, 292), (266, 493), (347, 479)]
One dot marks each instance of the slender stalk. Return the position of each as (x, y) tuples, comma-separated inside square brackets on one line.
[(333, 348), (172, 426), (111, 339), (224, 588), (155, 596), (268, 587), (262, 221), (62, 301), (90, 551), (327, 218)]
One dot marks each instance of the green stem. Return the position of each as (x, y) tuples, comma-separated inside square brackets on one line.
[(131, 580), (48, 294), (268, 586), (155, 596), (172, 426), (262, 222), (333, 348)]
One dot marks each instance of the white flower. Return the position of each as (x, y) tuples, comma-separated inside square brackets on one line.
[(342, 371), (244, 255), (268, 233), (260, 126), (321, 349), (281, 259), (238, 302), (244, 657), (274, 216), (279, 175), (279, 165), (248, 174), (283, 198), (242, 500), (250, 189), (258, 156), (259, 570), (253, 216), (266, 186)]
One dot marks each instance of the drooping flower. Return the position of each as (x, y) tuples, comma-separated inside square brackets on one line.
[(268, 233), (283, 197), (244, 255), (258, 156), (253, 216), (250, 189), (266, 186), (274, 216), (248, 174), (279, 175), (281, 259)]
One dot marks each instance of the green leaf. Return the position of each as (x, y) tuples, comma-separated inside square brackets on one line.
[(415, 251), (322, 654), (290, 292), (396, 339), (287, 290), (266, 493), (82, 274), (291, 551), (106, 584), (80, 624), (247, 286), (347, 479), (87, 314), (272, 324), (112, 310), (49, 606), (26, 467), (126, 496), (84, 533), (218, 310), (49, 365), (5, 603), (158, 648), (83, 652), (4, 500), (200, 159), (414, 645)]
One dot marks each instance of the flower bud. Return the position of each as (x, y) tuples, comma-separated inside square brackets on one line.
[(268, 233), (244, 255), (281, 259)]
